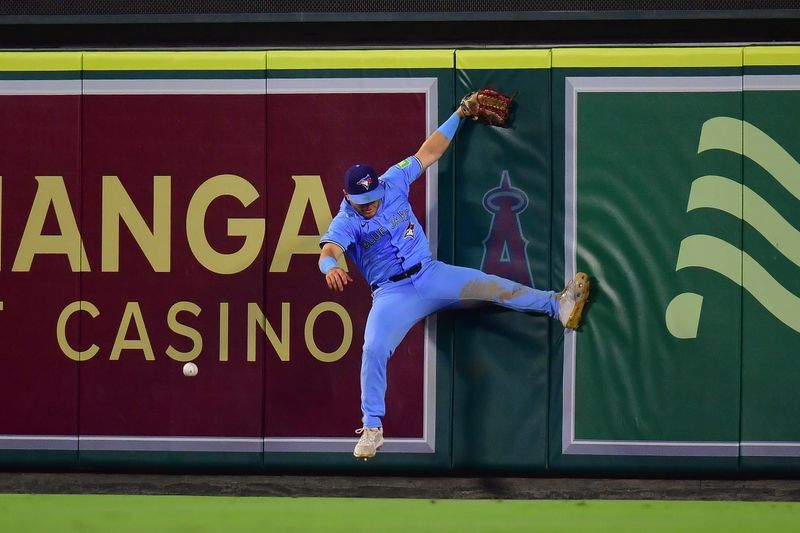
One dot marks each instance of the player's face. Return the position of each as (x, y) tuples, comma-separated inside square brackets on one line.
[(367, 210)]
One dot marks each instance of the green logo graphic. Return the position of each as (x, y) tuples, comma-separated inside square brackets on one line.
[(709, 252)]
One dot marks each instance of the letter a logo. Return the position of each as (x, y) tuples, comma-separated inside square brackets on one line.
[(504, 247)]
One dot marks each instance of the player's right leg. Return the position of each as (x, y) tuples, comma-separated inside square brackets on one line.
[(396, 307)]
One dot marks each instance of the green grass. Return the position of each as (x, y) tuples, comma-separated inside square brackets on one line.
[(151, 514)]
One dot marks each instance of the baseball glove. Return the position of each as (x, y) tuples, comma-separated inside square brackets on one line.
[(488, 106)]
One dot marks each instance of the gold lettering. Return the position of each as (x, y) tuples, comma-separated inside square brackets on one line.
[(347, 336), (51, 191), (256, 316), (132, 310), (308, 190), (61, 330), (117, 205), (223, 331), (184, 330), (250, 228)]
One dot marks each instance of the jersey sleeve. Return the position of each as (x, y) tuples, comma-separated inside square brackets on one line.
[(403, 174), (340, 232)]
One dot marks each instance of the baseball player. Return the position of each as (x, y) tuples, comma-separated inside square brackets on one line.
[(377, 228)]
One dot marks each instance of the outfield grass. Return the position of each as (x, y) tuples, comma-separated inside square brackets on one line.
[(151, 514)]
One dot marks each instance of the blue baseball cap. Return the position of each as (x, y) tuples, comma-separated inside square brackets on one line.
[(362, 184)]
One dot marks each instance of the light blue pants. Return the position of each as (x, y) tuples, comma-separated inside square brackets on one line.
[(397, 306)]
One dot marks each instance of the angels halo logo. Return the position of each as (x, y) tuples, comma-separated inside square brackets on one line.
[(504, 246)]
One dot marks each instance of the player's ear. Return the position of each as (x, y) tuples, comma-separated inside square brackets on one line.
[(346, 195)]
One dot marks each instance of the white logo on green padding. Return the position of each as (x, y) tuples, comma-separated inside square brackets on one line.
[(718, 192)]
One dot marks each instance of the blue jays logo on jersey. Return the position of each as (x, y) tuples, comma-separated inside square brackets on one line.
[(365, 182), (409, 232)]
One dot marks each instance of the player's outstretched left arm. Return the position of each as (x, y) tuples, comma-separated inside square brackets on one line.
[(437, 144), (335, 277), (487, 105)]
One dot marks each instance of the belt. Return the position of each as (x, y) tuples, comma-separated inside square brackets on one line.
[(403, 275)]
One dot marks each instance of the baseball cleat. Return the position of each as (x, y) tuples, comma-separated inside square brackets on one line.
[(370, 442), (572, 299)]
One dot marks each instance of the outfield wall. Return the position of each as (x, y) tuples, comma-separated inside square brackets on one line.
[(162, 207)]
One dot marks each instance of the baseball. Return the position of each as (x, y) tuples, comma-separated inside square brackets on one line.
[(189, 369)]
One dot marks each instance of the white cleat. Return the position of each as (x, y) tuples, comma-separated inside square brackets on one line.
[(370, 442), (572, 299)]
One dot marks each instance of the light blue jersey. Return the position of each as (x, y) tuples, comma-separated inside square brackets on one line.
[(393, 240)]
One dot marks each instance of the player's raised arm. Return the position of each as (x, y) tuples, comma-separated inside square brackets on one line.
[(486, 105), (437, 144), (335, 277)]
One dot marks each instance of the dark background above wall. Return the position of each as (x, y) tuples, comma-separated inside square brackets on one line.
[(69, 24)]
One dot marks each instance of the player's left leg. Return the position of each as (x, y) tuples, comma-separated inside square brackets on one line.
[(461, 284), (456, 284)]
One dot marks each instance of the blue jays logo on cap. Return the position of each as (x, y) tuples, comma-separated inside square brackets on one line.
[(362, 184), (366, 182)]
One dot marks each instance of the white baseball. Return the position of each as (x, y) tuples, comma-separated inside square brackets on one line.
[(189, 369)]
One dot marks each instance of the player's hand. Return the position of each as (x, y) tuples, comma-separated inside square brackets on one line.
[(337, 279)]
